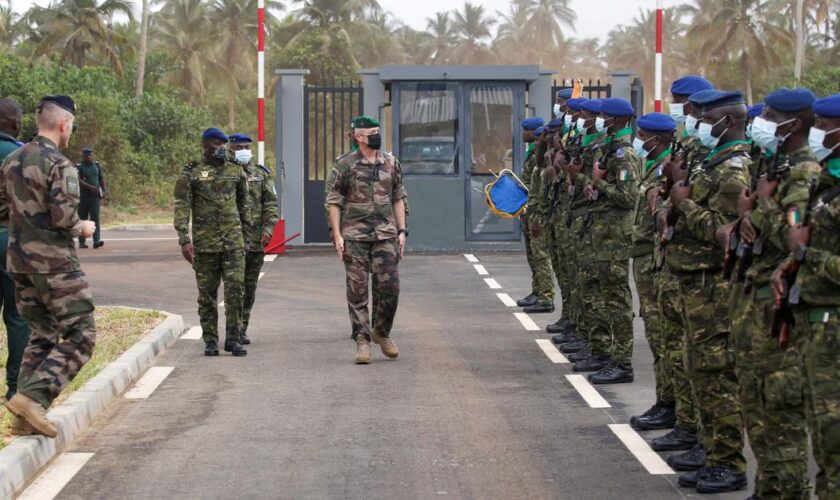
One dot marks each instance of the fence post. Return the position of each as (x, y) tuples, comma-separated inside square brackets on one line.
[(291, 170), (539, 95), (621, 81)]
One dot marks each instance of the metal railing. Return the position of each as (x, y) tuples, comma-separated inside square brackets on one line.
[(326, 121)]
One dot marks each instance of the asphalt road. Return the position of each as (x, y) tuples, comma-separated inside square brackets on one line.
[(473, 408)]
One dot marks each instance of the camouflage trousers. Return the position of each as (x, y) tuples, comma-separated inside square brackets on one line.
[(59, 311), (541, 257), (818, 333), (17, 332), (253, 266), (528, 254), (591, 301), (673, 348), (710, 359), (564, 269), (646, 287), (211, 269), (374, 265)]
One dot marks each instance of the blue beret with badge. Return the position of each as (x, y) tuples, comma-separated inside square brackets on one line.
[(591, 105), (564, 93), (657, 122), (828, 107), (240, 139), (574, 104), (720, 98), (690, 84), (555, 123), (539, 130), (790, 100), (755, 110), (214, 133), (699, 96), (532, 123), (616, 107)]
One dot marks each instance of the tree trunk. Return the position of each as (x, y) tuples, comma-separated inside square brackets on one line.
[(800, 40), (141, 51), (231, 111), (745, 66)]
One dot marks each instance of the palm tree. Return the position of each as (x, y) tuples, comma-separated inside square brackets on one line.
[(472, 27), (442, 37), (546, 20), (80, 29), (9, 28), (513, 40), (141, 49)]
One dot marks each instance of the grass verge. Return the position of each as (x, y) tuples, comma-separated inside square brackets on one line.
[(120, 215), (117, 329)]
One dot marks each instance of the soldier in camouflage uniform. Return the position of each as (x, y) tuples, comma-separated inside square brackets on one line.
[(214, 193), (814, 295), (529, 125), (262, 217), (653, 145), (40, 197), (706, 201), (366, 205), (539, 202)]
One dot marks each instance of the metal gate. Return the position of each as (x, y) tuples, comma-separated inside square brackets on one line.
[(326, 121), (591, 90)]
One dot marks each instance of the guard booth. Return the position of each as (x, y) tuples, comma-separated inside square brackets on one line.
[(452, 128)]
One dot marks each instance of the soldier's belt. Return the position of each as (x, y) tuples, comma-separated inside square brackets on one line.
[(822, 314)]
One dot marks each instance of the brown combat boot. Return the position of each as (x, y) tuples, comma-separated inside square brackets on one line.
[(20, 427), (362, 350), (32, 412), (389, 348)]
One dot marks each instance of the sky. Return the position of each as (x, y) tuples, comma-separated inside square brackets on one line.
[(595, 17)]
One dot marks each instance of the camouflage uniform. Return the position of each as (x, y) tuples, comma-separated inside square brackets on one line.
[(817, 332), (262, 216), (527, 170), (365, 193), (609, 237), (538, 211), (777, 425), (215, 194), (645, 276), (40, 196), (696, 260)]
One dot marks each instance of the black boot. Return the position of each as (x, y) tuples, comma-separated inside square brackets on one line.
[(565, 338), (244, 339), (235, 347), (691, 460), (721, 480), (649, 412), (664, 418), (571, 347), (99, 244), (591, 364), (580, 355), (527, 301), (678, 439), (614, 373), (560, 326), (211, 349), (690, 479), (539, 308)]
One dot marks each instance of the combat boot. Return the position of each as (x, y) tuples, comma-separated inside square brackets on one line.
[(560, 326), (591, 364), (362, 350), (565, 338), (389, 348), (664, 418), (690, 479), (580, 355), (613, 373), (539, 308), (235, 347), (20, 427), (647, 413), (691, 460), (679, 439), (571, 347), (244, 339), (721, 480), (527, 301), (32, 411), (211, 349)]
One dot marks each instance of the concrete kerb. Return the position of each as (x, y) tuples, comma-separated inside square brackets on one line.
[(140, 227), (21, 460)]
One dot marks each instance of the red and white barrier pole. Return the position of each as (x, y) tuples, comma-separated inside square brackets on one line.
[(657, 105), (261, 82)]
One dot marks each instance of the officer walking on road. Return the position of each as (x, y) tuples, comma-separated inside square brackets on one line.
[(93, 188), (40, 196), (366, 204), (262, 216), (213, 192)]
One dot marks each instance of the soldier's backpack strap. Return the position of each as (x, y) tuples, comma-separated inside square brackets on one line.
[(712, 164)]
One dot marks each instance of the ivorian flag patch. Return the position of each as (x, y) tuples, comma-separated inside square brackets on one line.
[(794, 218), (623, 174)]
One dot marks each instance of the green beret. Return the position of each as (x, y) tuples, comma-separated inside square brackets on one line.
[(364, 122)]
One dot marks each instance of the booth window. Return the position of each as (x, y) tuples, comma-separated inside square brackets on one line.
[(428, 128)]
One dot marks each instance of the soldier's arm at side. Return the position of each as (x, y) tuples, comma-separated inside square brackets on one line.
[(622, 194), (183, 208), (242, 199), (703, 221), (64, 198), (826, 263), (102, 179), (269, 207), (772, 214), (4, 200)]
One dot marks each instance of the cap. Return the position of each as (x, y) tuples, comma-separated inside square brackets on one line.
[(240, 139), (828, 107), (532, 123), (62, 101), (364, 122), (755, 110), (214, 133), (591, 105), (657, 122), (615, 106), (564, 93), (790, 100), (690, 84), (87, 151), (575, 103)]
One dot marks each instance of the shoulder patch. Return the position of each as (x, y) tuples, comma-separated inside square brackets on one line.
[(72, 185), (265, 169), (619, 153)]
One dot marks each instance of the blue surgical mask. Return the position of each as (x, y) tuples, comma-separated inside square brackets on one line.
[(816, 140), (704, 133), (639, 147), (243, 156), (568, 121), (691, 126), (600, 124), (749, 131), (677, 112), (764, 133)]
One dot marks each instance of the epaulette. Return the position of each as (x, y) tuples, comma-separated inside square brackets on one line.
[(264, 169), (191, 165), (343, 156)]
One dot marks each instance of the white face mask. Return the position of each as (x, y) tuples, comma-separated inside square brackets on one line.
[(639, 147), (568, 120), (677, 111), (816, 138), (580, 125), (243, 156), (764, 133), (600, 124), (704, 133), (691, 126), (749, 131), (557, 110)]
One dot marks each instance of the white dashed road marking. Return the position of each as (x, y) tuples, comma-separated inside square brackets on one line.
[(270, 258), (261, 276), (470, 257), (149, 382), (587, 392), (55, 477), (553, 354), (527, 322), (492, 283), (506, 300), (641, 450), (193, 333), (481, 270)]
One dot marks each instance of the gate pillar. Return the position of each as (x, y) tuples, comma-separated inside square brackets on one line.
[(289, 148)]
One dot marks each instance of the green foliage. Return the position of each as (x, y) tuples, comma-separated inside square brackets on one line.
[(326, 63)]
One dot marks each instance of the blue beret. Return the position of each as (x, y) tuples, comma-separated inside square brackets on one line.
[(690, 84), (755, 110), (564, 93), (62, 101), (657, 122), (574, 104), (790, 100), (532, 123), (828, 107), (539, 130), (697, 97), (591, 105), (555, 123), (87, 151), (617, 107), (214, 133), (720, 98), (240, 139)]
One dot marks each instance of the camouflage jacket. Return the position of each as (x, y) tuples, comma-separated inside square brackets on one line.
[(215, 196), (262, 206), (716, 185), (618, 190), (819, 276), (528, 168), (365, 193), (591, 152), (537, 188), (39, 197), (769, 215), (644, 226)]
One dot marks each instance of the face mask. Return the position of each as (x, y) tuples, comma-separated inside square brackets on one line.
[(677, 112), (749, 131), (691, 126), (816, 138), (764, 134), (704, 133), (374, 141), (600, 124), (220, 153), (568, 121), (243, 156), (580, 125), (557, 110), (639, 147)]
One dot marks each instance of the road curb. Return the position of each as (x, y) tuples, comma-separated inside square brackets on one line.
[(139, 227), (25, 456)]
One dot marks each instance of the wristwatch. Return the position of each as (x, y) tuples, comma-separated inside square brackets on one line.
[(402, 231), (800, 253)]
